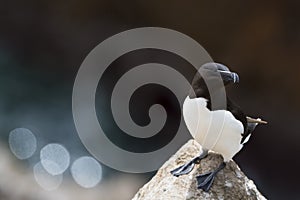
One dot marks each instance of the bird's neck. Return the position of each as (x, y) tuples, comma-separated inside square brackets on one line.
[(203, 92)]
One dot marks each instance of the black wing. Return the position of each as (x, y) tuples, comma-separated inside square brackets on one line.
[(239, 115)]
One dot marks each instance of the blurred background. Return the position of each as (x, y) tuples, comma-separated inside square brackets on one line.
[(43, 43)]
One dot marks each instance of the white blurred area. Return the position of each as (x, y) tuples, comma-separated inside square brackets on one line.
[(86, 172), (55, 158), (22, 143), (18, 183)]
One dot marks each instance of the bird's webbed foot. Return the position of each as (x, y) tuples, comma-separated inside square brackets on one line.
[(188, 167), (205, 180)]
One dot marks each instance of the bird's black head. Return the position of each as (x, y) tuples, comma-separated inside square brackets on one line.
[(214, 74), (217, 70)]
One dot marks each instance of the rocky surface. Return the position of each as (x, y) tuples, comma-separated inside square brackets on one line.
[(230, 183)]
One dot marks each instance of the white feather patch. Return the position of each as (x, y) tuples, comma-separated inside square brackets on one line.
[(216, 130)]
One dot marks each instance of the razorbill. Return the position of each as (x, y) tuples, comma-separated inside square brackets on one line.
[(222, 130)]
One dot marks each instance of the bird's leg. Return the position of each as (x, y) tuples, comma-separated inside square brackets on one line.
[(205, 180), (188, 167)]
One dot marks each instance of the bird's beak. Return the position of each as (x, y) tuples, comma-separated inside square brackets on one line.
[(229, 76), (259, 121)]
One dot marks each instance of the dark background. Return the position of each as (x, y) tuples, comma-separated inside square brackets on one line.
[(42, 45)]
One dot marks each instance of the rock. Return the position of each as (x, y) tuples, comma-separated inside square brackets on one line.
[(230, 183)]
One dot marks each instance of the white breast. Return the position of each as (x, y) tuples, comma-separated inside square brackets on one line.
[(214, 130)]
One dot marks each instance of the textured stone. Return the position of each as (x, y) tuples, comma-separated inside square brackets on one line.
[(230, 183)]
